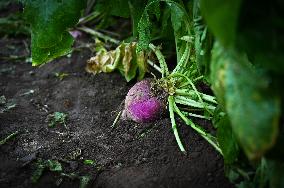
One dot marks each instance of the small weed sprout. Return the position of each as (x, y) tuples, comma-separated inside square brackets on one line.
[(61, 75), (57, 118)]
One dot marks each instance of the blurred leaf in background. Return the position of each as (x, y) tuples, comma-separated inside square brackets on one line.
[(50, 21)]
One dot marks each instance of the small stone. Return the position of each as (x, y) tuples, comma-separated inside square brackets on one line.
[(32, 73)]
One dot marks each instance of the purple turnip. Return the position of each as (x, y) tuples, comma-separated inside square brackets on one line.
[(145, 102), (175, 91)]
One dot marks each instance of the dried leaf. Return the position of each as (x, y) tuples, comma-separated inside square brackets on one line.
[(124, 58)]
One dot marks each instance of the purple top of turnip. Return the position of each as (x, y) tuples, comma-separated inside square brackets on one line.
[(141, 104)]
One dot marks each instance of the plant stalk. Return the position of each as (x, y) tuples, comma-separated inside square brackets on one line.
[(173, 122)]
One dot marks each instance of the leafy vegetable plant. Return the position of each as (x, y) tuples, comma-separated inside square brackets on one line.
[(148, 99)]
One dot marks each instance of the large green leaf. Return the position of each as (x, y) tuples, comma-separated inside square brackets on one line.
[(144, 31), (177, 16), (222, 18), (218, 68), (275, 173), (260, 33), (203, 41), (252, 106), (49, 22), (256, 28), (179, 22), (227, 140)]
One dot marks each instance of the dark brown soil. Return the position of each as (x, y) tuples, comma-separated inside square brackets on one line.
[(128, 155)]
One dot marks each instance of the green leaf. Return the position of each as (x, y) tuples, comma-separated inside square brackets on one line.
[(155, 8), (203, 41), (144, 31), (119, 8), (253, 107), (261, 175), (218, 68), (177, 15), (43, 55), (263, 40), (136, 8), (237, 23), (178, 19), (222, 18), (227, 140), (231, 173), (37, 173), (57, 118), (84, 181), (54, 165), (49, 22), (246, 99), (89, 162), (275, 170)]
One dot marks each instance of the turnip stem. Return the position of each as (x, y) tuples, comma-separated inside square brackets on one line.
[(181, 66), (189, 102), (190, 82), (89, 17), (192, 94), (198, 78), (98, 34), (161, 59), (154, 66), (173, 122), (196, 115), (205, 135)]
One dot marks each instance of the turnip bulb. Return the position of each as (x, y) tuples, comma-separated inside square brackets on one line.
[(145, 102)]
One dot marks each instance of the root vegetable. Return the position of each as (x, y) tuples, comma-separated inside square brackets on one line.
[(145, 102)]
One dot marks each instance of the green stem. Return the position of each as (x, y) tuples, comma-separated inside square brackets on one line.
[(191, 83), (208, 137), (161, 59), (173, 122), (192, 94), (183, 60), (8, 138), (89, 17), (198, 78), (189, 102), (98, 34), (195, 115), (154, 66)]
